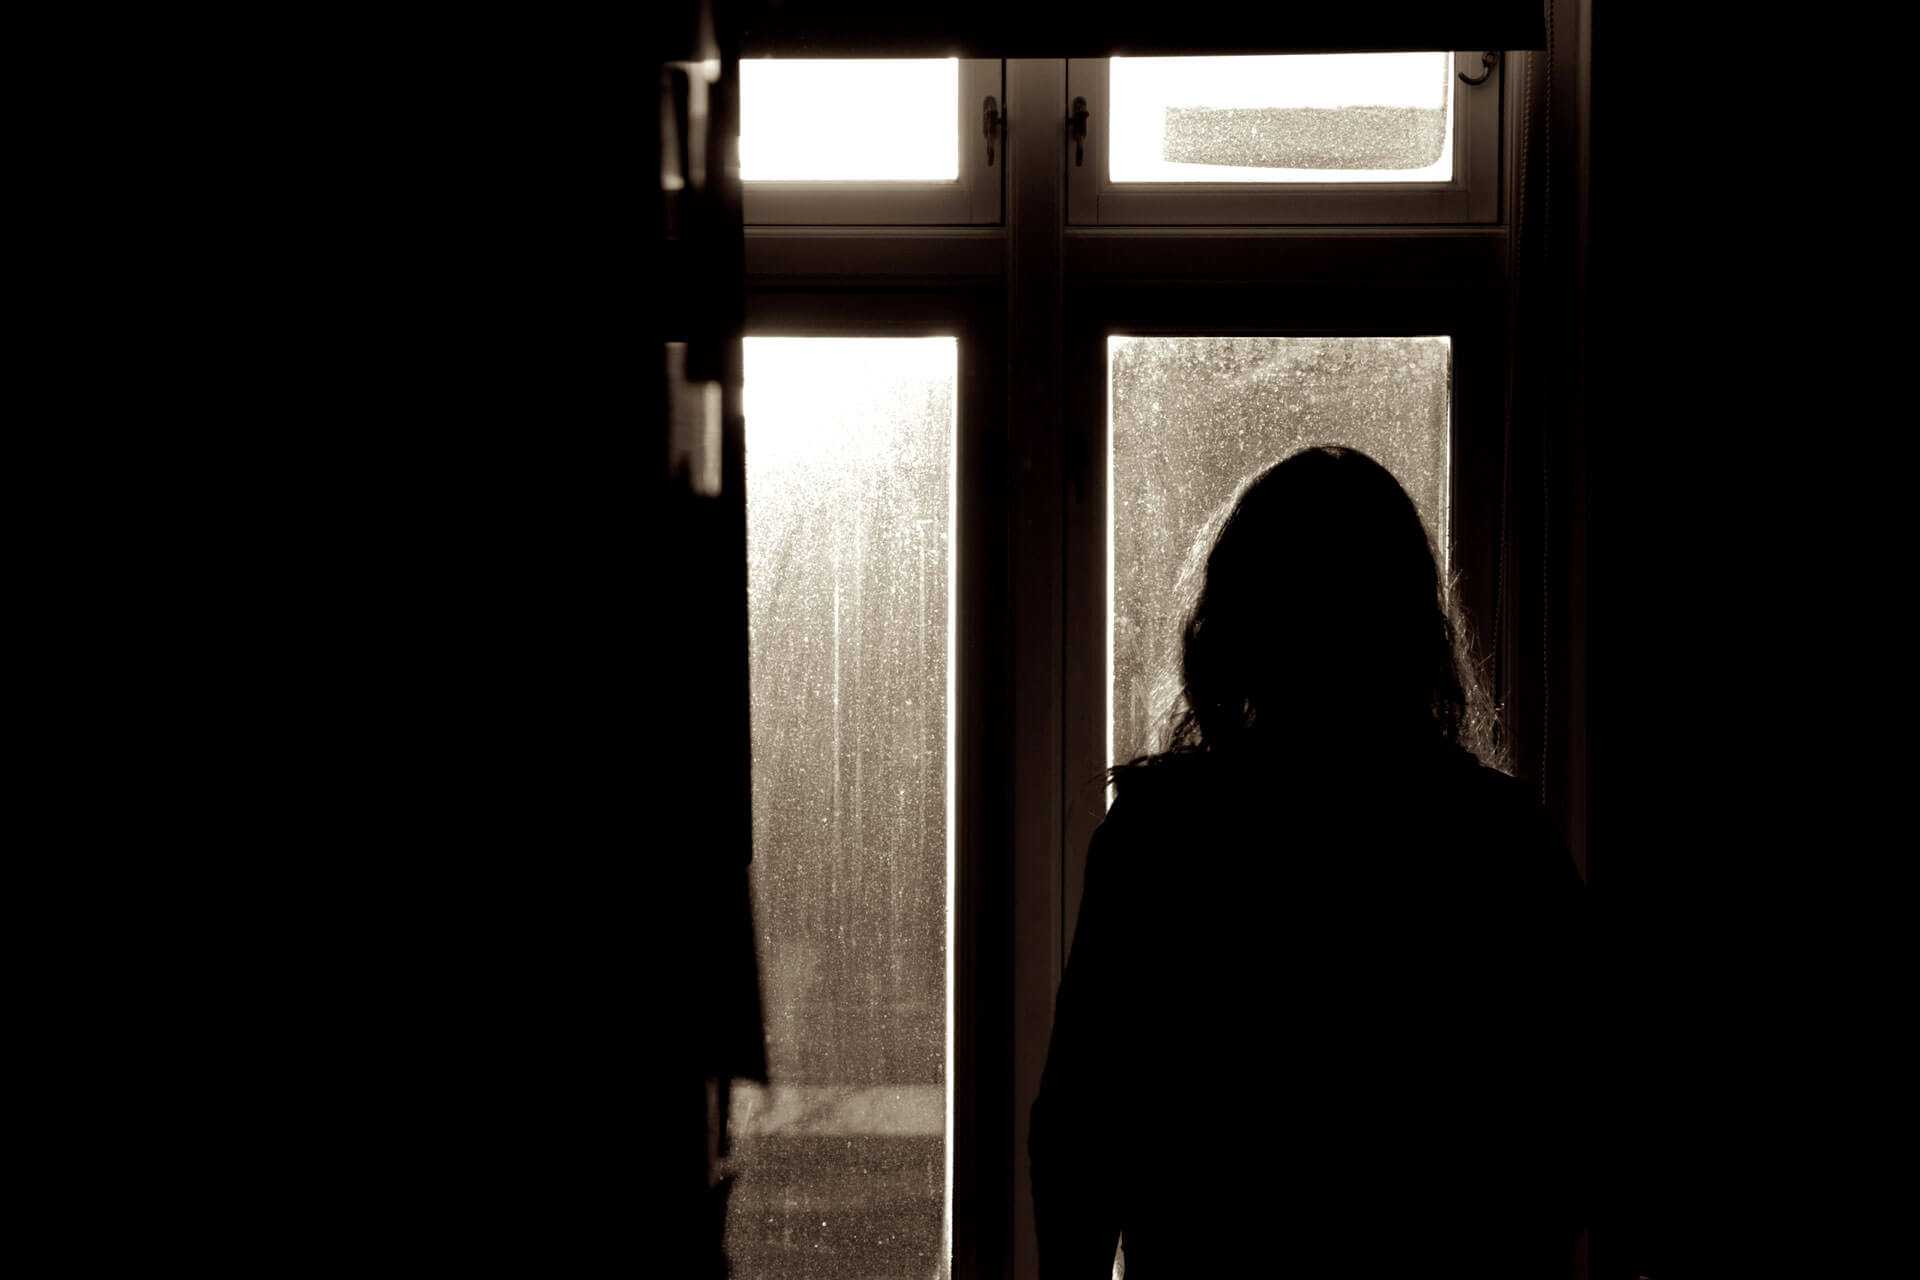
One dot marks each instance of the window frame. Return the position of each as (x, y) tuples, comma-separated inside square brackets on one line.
[(1472, 195), (1035, 290), (973, 198), (979, 1073)]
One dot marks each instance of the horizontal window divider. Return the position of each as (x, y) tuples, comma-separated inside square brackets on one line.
[(874, 256), (1471, 256)]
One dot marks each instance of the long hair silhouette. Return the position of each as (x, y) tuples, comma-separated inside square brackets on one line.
[(1316, 618), (1316, 897)]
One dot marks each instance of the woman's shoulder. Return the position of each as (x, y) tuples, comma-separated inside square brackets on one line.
[(1153, 777), (1168, 788), (1504, 795), (1495, 787), (1448, 785), (1504, 816), (1156, 797)]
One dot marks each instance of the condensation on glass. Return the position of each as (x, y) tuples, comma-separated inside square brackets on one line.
[(875, 120), (1348, 117), (843, 1164), (1190, 420)]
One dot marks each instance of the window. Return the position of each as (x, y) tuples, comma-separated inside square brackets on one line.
[(1362, 138), (1100, 385), (1357, 117), (868, 544), (850, 564), (872, 141)]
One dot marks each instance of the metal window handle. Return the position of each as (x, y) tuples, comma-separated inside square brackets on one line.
[(1489, 60), (992, 122), (1077, 127)]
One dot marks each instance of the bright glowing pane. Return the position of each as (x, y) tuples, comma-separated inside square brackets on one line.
[(866, 119), (1346, 117), (1190, 419), (843, 1164)]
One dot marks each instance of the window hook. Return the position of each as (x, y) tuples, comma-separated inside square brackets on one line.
[(1077, 126), (1489, 60), (991, 122)]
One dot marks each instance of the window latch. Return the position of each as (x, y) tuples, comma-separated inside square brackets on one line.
[(1077, 127), (1489, 60), (991, 124)]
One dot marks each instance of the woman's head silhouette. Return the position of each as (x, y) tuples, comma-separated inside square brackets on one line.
[(1319, 621)]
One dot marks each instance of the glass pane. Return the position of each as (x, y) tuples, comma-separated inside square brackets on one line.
[(1345, 117), (1190, 419), (843, 1164), (872, 119)]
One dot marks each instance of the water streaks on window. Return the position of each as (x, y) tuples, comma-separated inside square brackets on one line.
[(842, 1161)]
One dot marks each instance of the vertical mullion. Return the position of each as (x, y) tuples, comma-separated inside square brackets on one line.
[(1035, 153), (983, 1159)]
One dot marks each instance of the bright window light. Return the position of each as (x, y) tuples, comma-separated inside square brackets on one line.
[(874, 120), (1347, 117), (844, 1163), (1192, 418)]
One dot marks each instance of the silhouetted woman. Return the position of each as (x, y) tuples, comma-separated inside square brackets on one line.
[(1320, 1010)]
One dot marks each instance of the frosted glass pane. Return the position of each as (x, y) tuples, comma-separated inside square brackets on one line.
[(869, 119), (1346, 117), (843, 1164), (1191, 418)]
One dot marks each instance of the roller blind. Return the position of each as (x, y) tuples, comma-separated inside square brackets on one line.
[(1021, 29)]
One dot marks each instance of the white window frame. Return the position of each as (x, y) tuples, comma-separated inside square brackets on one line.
[(973, 198), (1472, 195)]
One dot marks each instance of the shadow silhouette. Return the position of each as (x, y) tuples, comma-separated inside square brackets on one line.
[(1321, 1008)]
